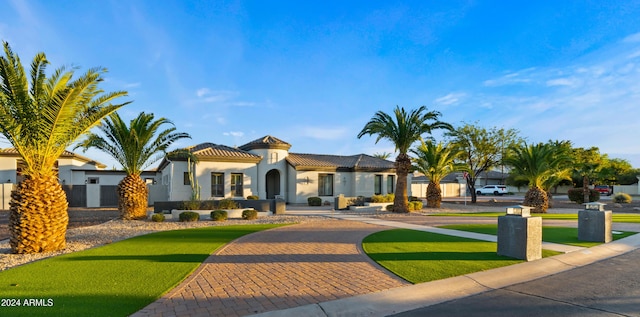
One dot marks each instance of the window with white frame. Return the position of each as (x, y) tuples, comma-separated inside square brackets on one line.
[(391, 182)]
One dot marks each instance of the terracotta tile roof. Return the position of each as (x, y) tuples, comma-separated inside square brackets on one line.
[(211, 151), (360, 162), (266, 142), (66, 154)]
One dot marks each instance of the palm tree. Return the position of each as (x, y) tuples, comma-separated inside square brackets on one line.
[(41, 119), (134, 147), (435, 161), (540, 165), (403, 131)]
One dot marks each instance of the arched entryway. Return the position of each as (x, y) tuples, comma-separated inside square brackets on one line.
[(273, 183)]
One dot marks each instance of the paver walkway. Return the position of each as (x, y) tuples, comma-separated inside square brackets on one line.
[(277, 269)]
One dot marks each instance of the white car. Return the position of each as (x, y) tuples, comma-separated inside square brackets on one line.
[(497, 190)]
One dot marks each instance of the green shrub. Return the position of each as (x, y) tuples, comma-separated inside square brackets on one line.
[(190, 205), (415, 205), (228, 204), (388, 198), (377, 199), (189, 216), (314, 201), (576, 195), (389, 207), (414, 198), (208, 205), (219, 215), (249, 214), (622, 198), (252, 197), (157, 218)]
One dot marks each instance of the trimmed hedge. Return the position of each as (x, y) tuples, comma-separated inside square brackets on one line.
[(576, 195), (157, 218), (249, 214), (314, 201), (189, 216), (219, 215)]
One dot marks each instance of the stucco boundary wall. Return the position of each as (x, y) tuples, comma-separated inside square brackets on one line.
[(277, 206), (458, 190)]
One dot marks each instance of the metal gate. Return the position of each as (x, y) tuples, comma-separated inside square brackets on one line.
[(108, 196), (76, 195)]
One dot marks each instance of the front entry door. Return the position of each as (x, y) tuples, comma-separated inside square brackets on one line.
[(273, 184)]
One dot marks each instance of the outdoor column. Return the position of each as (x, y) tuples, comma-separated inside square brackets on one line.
[(594, 223), (519, 235)]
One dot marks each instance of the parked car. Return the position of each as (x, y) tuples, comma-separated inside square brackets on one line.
[(497, 190), (604, 190)]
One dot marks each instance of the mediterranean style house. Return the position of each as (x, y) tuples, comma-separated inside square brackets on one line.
[(265, 168)]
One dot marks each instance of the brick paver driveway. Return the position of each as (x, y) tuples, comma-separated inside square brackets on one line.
[(277, 269)]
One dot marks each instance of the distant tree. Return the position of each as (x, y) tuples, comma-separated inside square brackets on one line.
[(135, 146), (383, 155), (587, 164), (630, 177), (481, 149), (542, 165), (435, 161), (404, 129), (612, 171), (41, 116)]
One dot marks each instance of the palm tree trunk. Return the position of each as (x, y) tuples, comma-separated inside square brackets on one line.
[(132, 197), (403, 165), (434, 195), (538, 199), (38, 218)]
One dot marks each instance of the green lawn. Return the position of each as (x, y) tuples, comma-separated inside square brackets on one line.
[(117, 279), (630, 218), (560, 235), (418, 256)]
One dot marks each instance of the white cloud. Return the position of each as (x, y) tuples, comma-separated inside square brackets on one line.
[(450, 99), (633, 38), (562, 82), (511, 78), (233, 133), (202, 91)]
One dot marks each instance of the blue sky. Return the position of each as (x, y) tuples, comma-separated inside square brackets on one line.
[(314, 72)]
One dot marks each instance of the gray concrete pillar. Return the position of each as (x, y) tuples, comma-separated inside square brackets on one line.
[(520, 237)]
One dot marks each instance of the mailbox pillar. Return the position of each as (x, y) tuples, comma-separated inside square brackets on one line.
[(519, 234), (594, 223)]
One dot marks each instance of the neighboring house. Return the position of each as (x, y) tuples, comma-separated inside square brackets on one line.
[(453, 185), (265, 168), (84, 180)]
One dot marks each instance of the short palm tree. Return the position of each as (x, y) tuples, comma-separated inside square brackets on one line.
[(540, 164), (135, 147), (435, 161), (41, 119), (403, 130)]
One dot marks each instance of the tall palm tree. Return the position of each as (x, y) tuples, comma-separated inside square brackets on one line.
[(135, 147), (403, 130), (40, 119), (540, 164), (435, 161)]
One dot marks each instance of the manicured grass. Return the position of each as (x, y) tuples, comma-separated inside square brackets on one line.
[(559, 235), (418, 256), (630, 218), (117, 279)]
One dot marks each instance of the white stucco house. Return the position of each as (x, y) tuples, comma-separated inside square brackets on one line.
[(265, 168)]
